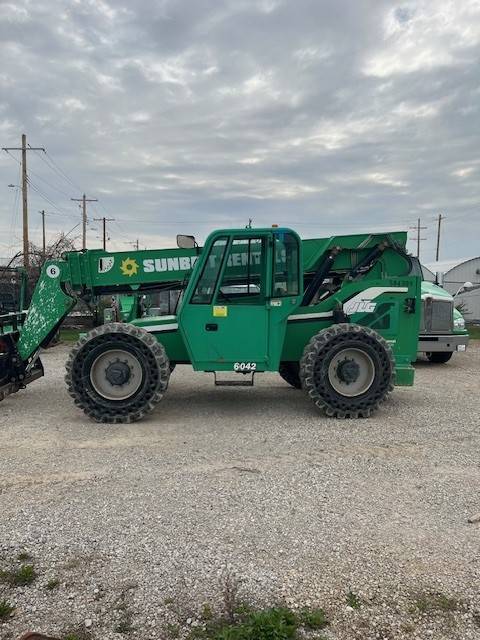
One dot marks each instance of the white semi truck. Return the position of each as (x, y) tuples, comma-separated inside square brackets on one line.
[(442, 327)]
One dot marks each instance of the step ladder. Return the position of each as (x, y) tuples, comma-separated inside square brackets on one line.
[(230, 382)]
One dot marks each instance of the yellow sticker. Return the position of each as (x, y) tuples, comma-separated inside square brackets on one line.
[(220, 312)]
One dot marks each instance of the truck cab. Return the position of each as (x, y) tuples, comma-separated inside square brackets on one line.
[(442, 327)]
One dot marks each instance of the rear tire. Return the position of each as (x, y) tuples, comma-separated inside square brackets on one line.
[(347, 370), (290, 372), (117, 373), (439, 357)]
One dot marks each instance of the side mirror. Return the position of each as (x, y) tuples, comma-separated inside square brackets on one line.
[(186, 242)]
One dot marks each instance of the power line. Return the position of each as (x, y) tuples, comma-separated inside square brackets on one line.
[(62, 172), (120, 233), (37, 189), (56, 169), (7, 151), (103, 207), (52, 186)]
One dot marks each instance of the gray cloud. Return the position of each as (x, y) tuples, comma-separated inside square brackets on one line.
[(332, 117)]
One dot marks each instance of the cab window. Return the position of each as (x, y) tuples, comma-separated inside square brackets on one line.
[(206, 285), (243, 277), (285, 265)]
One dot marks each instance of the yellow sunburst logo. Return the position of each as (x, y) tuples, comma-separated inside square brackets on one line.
[(129, 267)]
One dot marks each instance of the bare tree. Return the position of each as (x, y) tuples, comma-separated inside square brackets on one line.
[(55, 249)]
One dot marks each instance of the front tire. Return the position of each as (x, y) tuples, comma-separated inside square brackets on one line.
[(347, 370), (117, 373), (439, 357)]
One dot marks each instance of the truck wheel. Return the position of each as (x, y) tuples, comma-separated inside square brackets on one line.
[(439, 357), (347, 370), (290, 372), (117, 373)]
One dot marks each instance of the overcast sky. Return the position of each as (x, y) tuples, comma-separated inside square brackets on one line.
[(183, 116)]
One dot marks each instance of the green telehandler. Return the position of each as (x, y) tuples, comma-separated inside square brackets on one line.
[(337, 316)]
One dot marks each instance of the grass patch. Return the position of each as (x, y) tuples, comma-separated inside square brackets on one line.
[(430, 602), (52, 584), (313, 618), (276, 623), (5, 609), (24, 555), (124, 626), (473, 332), (172, 631), (70, 335), (207, 612), (353, 600), (230, 585), (26, 574)]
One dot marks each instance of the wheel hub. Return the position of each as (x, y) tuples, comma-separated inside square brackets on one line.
[(351, 372), (118, 373), (348, 370)]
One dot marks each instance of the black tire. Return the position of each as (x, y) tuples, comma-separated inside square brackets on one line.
[(290, 372), (146, 370), (321, 372), (439, 357)]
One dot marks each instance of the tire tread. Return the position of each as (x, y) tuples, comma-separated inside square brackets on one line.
[(99, 412), (317, 344)]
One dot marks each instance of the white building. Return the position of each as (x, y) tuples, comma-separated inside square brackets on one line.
[(428, 275), (455, 274)]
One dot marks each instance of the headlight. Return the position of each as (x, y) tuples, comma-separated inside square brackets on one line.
[(459, 323)]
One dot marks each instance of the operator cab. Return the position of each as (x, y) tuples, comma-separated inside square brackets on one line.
[(245, 285)]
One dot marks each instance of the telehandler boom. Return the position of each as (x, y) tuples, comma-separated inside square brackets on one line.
[(337, 316)]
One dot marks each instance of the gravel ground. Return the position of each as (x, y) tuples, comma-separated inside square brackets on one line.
[(142, 524)]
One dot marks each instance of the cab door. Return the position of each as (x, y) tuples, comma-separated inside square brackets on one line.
[(224, 318), (287, 290)]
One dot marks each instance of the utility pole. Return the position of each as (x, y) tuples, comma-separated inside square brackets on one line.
[(135, 244), (104, 221), (24, 149), (84, 201), (440, 218), (44, 249), (418, 229)]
